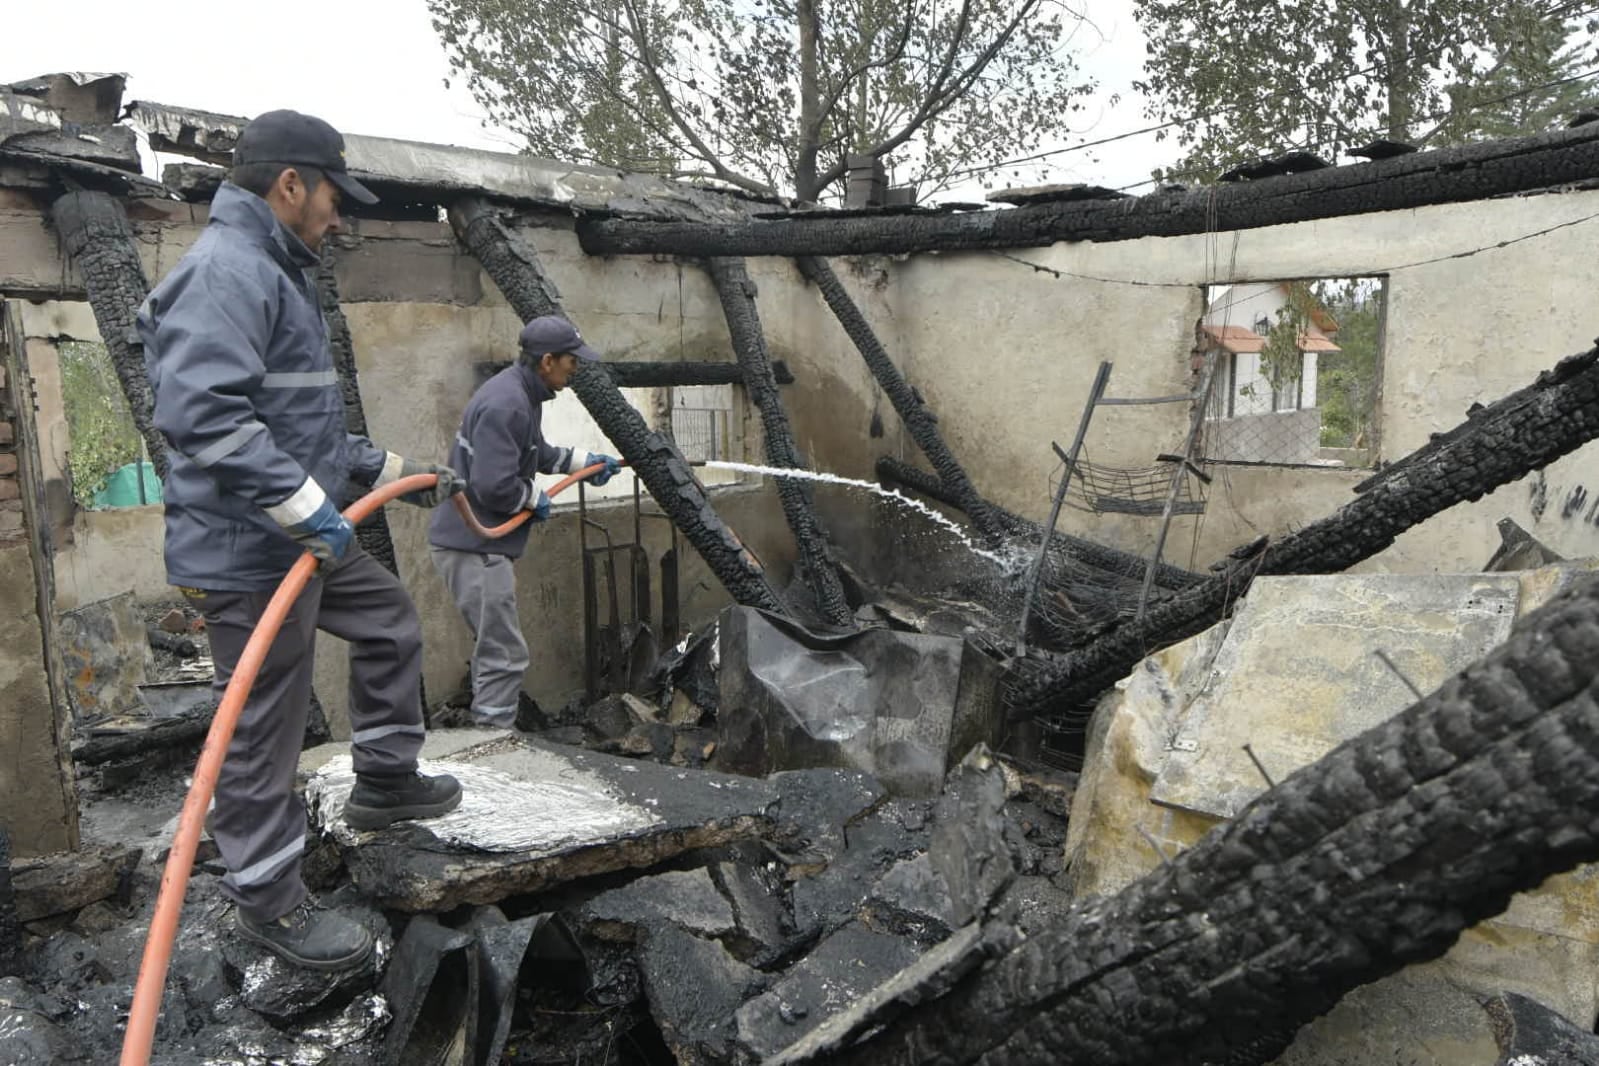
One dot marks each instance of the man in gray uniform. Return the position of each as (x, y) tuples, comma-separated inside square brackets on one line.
[(248, 399), (499, 447)]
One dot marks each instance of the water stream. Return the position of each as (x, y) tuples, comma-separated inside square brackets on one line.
[(1004, 562)]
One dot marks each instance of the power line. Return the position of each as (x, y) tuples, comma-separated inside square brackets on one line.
[(1316, 145), (1364, 272)]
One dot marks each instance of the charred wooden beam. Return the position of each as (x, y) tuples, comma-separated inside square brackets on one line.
[(1085, 553), (95, 234), (516, 269), (1522, 432), (916, 415), (1375, 857), (669, 375), (374, 532), (737, 292), (1530, 1034), (1447, 175)]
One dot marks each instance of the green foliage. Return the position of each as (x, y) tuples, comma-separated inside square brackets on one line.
[(1250, 78), (1536, 84), (1346, 380), (1281, 360), (770, 95), (99, 426)]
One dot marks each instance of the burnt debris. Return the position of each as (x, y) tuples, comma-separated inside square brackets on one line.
[(1442, 176), (1555, 415), (737, 292), (1375, 857), (654, 458)]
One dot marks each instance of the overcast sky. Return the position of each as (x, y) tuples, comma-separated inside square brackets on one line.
[(377, 67)]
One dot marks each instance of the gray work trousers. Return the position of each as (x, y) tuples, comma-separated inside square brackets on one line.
[(259, 821), (484, 588)]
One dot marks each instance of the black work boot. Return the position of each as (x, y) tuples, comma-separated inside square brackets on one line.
[(310, 937), (378, 800)]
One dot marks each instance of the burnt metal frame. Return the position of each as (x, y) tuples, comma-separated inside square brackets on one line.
[(638, 558)]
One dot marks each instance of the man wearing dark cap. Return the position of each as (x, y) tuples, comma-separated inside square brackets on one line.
[(260, 464), (498, 450)]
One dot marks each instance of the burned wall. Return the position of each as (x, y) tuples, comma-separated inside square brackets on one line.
[(1006, 356)]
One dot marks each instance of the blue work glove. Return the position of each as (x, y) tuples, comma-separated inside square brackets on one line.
[(396, 467), (311, 519), (600, 477), (538, 503)]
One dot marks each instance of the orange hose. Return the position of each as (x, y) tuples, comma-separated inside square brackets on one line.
[(140, 1036)]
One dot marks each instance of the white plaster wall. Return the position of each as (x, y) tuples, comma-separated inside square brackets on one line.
[(1006, 357)]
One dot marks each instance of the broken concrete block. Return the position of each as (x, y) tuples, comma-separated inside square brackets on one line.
[(649, 740), (815, 805), (67, 963), (684, 711), (1295, 677), (903, 706), (65, 881), (28, 1037), (832, 892), (929, 976), (687, 899), (1307, 648), (174, 621), (693, 987), (752, 881), (967, 863), (693, 746), (282, 992), (843, 968), (533, 815), (610, 717)]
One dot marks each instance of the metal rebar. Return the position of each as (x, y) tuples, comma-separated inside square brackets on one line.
[(1400, 674)]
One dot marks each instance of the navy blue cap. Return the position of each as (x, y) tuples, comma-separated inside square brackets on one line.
[(552, 333), (293, 139)]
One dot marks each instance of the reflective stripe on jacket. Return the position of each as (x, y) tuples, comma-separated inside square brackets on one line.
[(499, 447), (246, 395)]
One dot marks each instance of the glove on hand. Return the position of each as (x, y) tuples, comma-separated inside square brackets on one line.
[(311, 519), (600, 477), (397, 467), (538, 502)]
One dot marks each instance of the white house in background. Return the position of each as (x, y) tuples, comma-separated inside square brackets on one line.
[(1235, 327)]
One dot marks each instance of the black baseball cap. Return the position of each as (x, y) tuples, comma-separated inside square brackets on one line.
[(552, 333), (293, 139)]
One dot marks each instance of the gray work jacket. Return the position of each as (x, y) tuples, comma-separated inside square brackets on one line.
[(246, 395), (498, 449)]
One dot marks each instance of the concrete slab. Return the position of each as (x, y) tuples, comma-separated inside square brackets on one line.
[(1294, 676), (1306, 648), (534, 815), (687, 899), (844, 968)]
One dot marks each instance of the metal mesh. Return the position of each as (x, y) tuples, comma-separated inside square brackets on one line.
[(701, 420)]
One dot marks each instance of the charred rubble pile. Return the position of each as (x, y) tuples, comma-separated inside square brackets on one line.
[(814, 836)]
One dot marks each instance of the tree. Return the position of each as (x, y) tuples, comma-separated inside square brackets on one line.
[(1282, 359), (1538, 82), (770, 95), (1241, 79), (1346, 380)]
